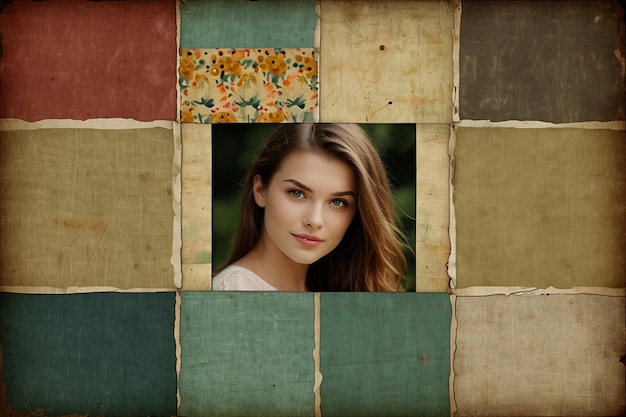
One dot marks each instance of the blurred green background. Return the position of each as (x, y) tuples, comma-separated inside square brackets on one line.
[(235, 146)]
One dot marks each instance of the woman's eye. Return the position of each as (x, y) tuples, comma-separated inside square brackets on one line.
[(339, 203), (296, 193)]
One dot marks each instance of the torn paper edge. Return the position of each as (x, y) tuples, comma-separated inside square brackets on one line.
[(480, 291), (177, 75), (508, 290), (317, 47), (177, 234), (177, 238), (456, 47), (179, 349), (417, 211), (316, 354), (452, 227), (453, 334), (77, 290), (210, 138), (115, 124), (520, 124), (100, 124)]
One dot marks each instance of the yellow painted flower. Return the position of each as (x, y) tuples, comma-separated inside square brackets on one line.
[(198, 81), (187, 116), (310, 67), (239, 54), (226, 64), (276, 117), (187, 66), (274, 64), (223, 117)]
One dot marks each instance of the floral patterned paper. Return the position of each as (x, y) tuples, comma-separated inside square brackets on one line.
[(248, 85)]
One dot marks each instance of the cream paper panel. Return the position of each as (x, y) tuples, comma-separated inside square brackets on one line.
[(539, 355), (386, 61), (84, 206), (433, 208), (196, 206)]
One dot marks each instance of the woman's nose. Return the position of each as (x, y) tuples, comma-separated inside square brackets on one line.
[(313, 217)]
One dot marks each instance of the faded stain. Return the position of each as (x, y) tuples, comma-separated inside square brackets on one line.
[(98, 225)]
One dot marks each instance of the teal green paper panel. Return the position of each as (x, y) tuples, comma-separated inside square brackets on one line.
[(89, 353), (247, 24), (247, 354), (385, 354)]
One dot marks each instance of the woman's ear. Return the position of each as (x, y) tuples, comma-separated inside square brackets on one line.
[(258, 189)]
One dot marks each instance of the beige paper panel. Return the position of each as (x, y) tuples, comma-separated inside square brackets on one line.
[(540, 355), (386, 61), (433, 208), (86, 208), (196, 206), (540, 207)]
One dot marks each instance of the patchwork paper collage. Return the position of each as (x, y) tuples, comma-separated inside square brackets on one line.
[(107, 211)]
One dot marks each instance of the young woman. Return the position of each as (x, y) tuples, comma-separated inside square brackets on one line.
[(317, 215)]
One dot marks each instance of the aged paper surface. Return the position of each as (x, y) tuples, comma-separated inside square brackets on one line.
[(86, 60), (557, 61), (433, 207), (385, 354), (540, 207), (387, 61), (224, 24), (539, 355), (196, 207), (247, 353), (82, 354), (87, 208)]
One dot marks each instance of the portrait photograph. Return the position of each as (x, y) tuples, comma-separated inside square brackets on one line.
[(235, 147)]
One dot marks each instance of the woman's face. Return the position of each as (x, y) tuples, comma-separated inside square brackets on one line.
[(309, 204)]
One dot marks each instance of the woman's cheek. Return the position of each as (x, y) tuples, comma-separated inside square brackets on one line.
[(283, 208), (341, 222)]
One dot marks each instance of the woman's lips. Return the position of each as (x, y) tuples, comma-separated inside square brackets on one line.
[(308, 240)]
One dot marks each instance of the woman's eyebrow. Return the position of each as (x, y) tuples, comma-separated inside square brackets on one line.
[(298, 184), (308, 189)]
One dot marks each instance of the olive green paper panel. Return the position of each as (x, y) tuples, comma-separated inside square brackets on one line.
[(247, 354), (247, 24), (540, 207), (86, 208), (385, 354), (556, 355), (386, 61)]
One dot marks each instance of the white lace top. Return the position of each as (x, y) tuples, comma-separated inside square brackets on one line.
[(237, 278)]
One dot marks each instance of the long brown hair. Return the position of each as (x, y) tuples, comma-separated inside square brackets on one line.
[(370, 256)]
